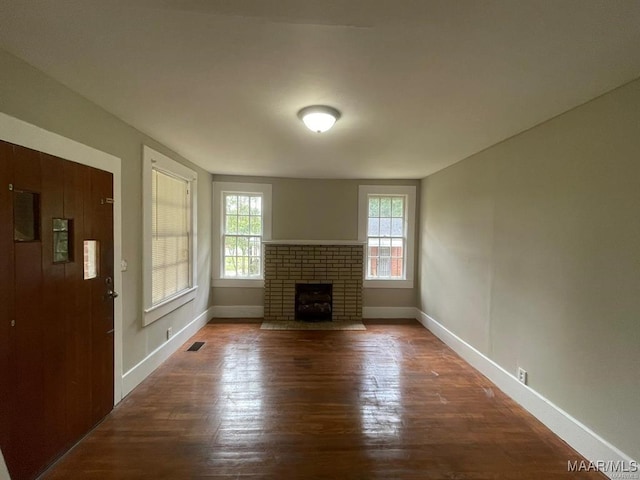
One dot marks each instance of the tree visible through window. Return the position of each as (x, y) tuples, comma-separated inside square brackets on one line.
[(386, 237), (242, 237)]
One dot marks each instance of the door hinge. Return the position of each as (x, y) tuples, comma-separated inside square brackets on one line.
[(107, 200)]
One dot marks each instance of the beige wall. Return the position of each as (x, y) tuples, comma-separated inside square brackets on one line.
[(29, 95), (315, 209), (531, 253)]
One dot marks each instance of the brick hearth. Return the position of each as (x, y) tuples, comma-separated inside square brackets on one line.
[(287, 264)]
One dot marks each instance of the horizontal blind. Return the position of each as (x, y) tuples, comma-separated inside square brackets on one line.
[(170, 236)]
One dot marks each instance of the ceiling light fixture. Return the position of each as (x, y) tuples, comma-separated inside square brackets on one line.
[(319, 118)]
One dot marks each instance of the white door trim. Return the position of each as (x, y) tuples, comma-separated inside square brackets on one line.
[(27, 135)]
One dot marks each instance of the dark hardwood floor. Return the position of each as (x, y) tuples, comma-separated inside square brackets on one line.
[(391, 402)]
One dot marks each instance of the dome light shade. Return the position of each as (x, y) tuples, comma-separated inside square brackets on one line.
[(319, 118)]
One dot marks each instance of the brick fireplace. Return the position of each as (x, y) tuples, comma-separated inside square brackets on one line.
[(289, 263)]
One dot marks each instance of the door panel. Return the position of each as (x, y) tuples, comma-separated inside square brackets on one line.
[(77, 299), (52, 324), (56, 363), (27, 412), (101, 211)]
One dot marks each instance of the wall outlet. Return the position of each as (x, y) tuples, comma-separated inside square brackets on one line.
[(169, 333), (522, 375)]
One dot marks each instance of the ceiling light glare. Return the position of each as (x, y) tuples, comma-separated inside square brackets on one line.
[(319, 118)]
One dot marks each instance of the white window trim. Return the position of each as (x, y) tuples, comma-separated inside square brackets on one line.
[(363, 213), (152, 159), (219, 188)]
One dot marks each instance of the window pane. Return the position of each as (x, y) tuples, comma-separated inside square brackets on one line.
[(254, 246), (90, 252), (242, 246), (397, 227), (230, 266), (243, 205), (256, 226), (374, 227), (397, 209), (374, 206), (26, 216), (229, 246), (243, 266), (62, 242), (385, 206), (243, 225), (231, 204), (254, 266), (385, 227), (256, 205), (374, 243), (231, 224), (384, 267)]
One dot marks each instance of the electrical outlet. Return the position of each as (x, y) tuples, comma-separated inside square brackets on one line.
[(169, 333), (522, 375)]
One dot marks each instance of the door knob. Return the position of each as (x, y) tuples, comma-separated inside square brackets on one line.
[(111, 293)]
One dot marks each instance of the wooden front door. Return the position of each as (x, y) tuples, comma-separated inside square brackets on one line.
[(56, 305)]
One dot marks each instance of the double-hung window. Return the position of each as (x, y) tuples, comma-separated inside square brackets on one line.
[(169, 240), (386, 224), (242, 236), (245, 222)]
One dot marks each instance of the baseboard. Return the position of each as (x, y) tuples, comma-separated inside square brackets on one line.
[(142, 370), (388, 312), (582, 439), (237, 311)]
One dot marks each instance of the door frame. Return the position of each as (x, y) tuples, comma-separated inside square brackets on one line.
[(19, 132)]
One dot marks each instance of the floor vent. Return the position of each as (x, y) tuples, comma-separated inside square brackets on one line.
[(195, 347)]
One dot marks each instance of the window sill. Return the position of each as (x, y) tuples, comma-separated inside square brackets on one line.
[(387, 284), (158, 311), (238, 282)]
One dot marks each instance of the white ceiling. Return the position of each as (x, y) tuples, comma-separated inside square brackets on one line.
[(421, 84)]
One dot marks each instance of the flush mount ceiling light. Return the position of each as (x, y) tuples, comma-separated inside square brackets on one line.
[(319, 118)]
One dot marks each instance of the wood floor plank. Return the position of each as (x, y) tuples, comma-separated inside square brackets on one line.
[(391, 402)]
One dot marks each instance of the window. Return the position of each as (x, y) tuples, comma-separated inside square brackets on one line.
[(169, 243), (244, 220), (242, 237), (386, 225)]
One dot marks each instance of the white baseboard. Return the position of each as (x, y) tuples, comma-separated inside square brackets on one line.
[(582, 439), (389, 312), (142, 370), (237, 311)]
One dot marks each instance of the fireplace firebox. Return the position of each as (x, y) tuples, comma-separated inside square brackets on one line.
[(313, 302)]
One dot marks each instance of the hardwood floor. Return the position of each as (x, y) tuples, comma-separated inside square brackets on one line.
[(391, 402)]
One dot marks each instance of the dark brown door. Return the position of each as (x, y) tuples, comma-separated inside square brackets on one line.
[(56, 305)]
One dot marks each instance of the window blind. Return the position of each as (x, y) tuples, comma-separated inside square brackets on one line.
[(170, 225)]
